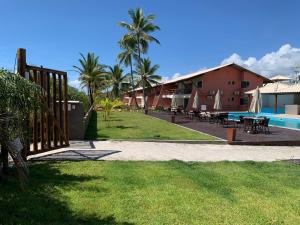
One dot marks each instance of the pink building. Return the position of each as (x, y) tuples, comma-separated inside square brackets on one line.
[(232, 80)]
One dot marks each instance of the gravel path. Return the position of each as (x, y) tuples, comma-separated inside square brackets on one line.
[(153, 151)]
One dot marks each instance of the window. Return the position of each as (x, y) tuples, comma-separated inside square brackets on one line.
[(232, 99), (232, 82), (244, 101), (245, 84), (199, 84)]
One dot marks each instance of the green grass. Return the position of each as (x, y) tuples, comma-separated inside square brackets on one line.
[(103, 192), (135, 125)]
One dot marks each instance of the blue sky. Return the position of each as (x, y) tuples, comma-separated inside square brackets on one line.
[(194, 34)]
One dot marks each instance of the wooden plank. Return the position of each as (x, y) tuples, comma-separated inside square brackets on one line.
[(21, 61), (60, 114), (66, 113), (42, 112), (48, 118), (21, 69), (54, 104), (47, 70), (35, 121)]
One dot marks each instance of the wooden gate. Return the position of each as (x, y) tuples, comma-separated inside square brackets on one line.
[(49, 127)]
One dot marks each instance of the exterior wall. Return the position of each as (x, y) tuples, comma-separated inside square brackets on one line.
[(268, 102), (78, 121), (227, 79)]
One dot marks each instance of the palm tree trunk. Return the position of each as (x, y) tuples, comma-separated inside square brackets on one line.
[(132, 84), (90, 94), (143, 85)]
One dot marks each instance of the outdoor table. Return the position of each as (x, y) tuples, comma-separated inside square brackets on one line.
[(255, 121)]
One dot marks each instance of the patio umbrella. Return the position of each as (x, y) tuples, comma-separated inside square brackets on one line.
[(256, 102), (218, 104), (196, 101), (174, 102)]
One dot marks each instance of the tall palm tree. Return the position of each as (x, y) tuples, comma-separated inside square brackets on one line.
[(148, 77), (92, 73), (117, 79), (139, 30), (128, 46)]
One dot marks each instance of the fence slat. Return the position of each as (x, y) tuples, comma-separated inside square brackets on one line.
[(54, 104), (60, 108), (42, 111), (48, 118), (66, 120), (35, 121)]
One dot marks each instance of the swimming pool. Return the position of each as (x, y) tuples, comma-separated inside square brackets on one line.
[(274, 119)]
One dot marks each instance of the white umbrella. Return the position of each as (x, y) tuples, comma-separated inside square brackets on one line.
[(174, 102), (218, 104), (196, 101), (256, 102)]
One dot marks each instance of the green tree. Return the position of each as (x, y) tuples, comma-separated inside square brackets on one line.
[(148, 76), (92, 73), (140, 30), (128, 54), (117, 79), (76, 95), (18, 98)]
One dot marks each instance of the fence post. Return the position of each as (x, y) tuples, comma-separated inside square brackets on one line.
[(21, 70)]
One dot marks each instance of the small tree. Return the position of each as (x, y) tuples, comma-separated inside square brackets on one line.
[(107, 106)]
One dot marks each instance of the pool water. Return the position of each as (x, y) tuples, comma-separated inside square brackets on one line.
[(274, 120)]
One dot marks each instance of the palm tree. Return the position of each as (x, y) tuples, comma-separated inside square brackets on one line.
[(128, 45), (148, 77), (117, 79), (91, 73), (139, 30)]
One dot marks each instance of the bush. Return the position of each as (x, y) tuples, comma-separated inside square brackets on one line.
[(75, 95)]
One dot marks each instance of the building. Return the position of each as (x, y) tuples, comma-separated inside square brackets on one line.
[(280, 98), (232, 80)]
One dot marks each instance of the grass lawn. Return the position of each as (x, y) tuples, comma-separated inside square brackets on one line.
[(135, 125), (174, 192)]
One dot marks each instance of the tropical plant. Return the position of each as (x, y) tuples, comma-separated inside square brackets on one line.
[(107, 106), (118, 81), (92, 73), (18, 97), (148, 76), (139, 30)]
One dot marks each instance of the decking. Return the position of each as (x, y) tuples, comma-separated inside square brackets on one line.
[(278, 136)]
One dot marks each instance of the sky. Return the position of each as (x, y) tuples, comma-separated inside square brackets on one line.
[(262, 35)]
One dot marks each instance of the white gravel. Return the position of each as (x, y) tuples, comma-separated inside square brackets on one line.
[(155, 151)]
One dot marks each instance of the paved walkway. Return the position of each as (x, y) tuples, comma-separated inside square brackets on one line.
[(126, 150)]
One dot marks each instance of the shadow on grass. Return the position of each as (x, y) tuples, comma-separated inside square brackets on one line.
[(91, 131), (125, 127), (42, 201)]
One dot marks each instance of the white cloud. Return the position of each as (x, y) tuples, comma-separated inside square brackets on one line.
[(75, 84), (175, 75), (283, 61)]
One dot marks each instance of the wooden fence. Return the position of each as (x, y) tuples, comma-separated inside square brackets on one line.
[(49, 127)]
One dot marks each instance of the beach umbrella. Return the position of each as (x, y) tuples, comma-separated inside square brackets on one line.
[(256, 103), (174, 102), (218, 104), (196, 101)]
